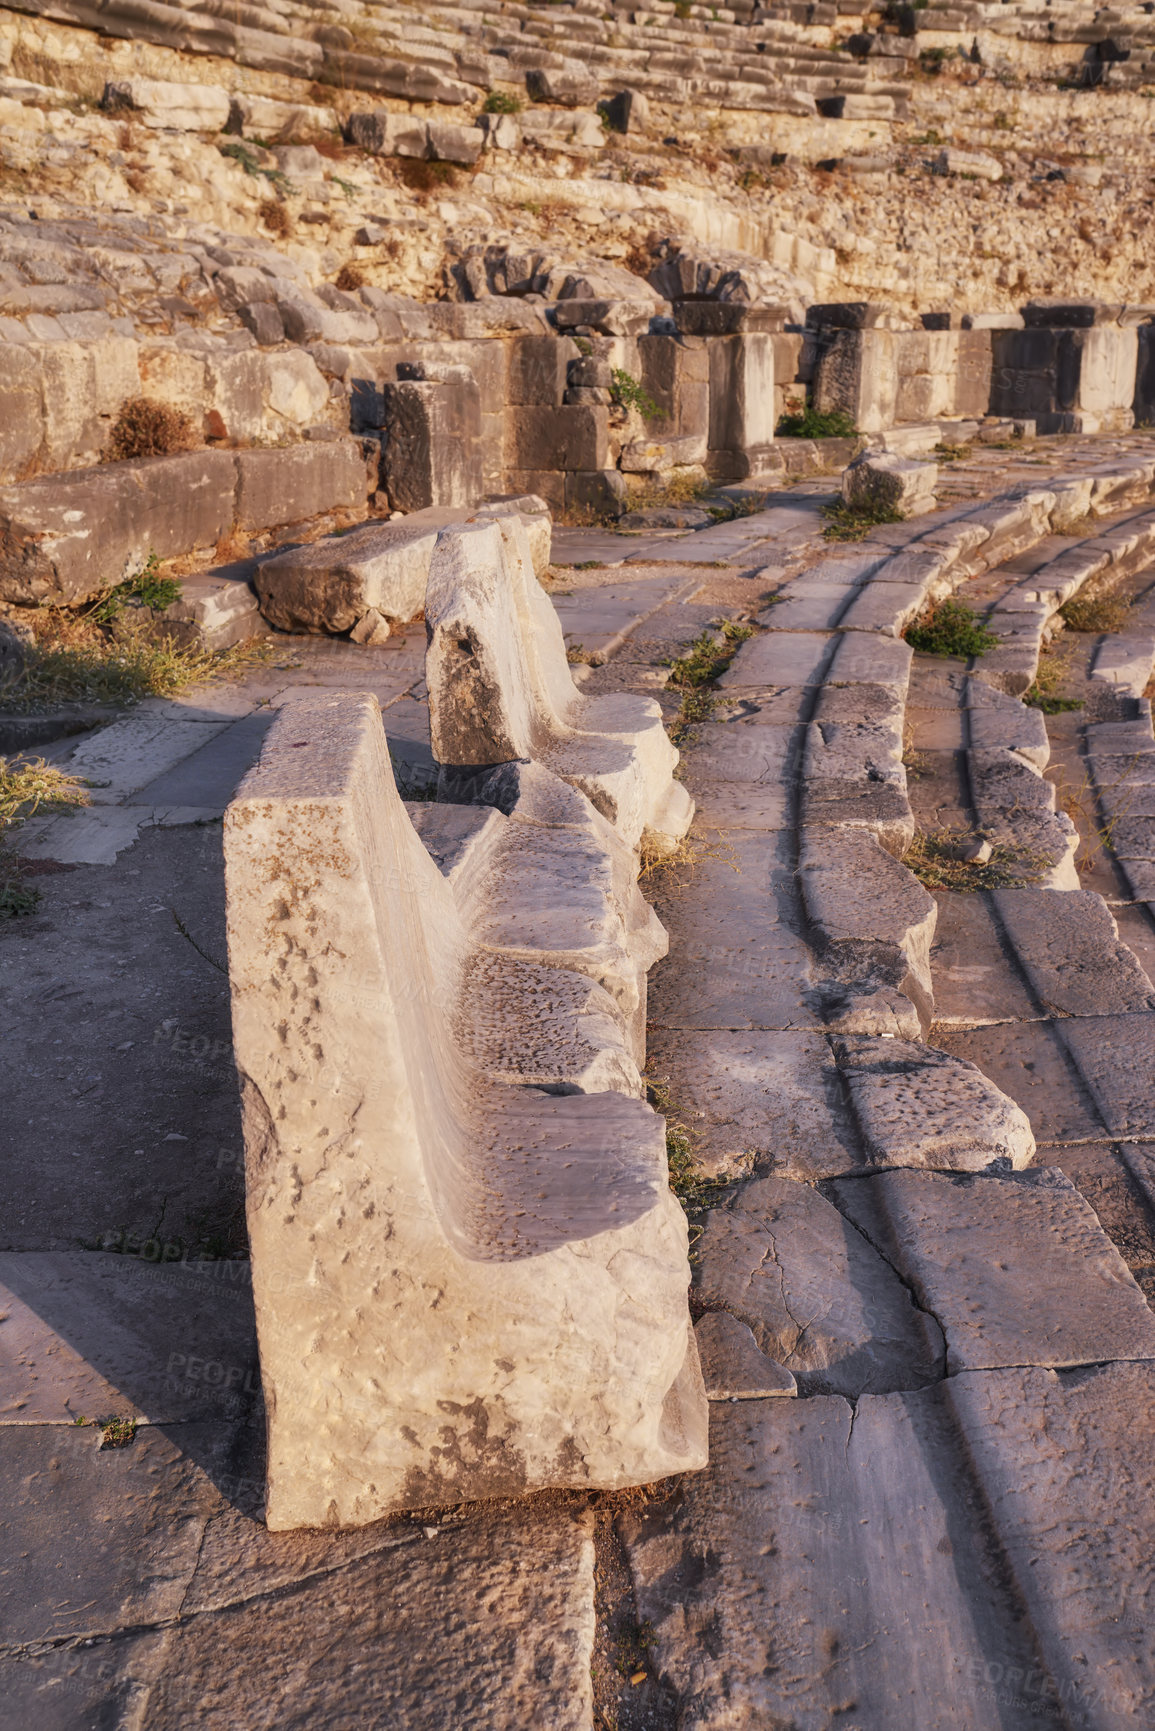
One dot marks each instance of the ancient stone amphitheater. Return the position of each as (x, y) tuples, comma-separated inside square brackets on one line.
[(577, 901)]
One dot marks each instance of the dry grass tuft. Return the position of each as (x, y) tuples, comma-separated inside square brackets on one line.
[(147, 428)]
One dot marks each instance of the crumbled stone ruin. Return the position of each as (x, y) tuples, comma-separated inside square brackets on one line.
[(577, 625)]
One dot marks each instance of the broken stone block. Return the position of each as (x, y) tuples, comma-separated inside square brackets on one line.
[(562, 438), (179, 107), (299, 481), (627, 111), (856, 373), (971, 164), (385, 134), (543, 1222), (538, 370), (602, 491), (430, 453), (569, 88), (64, 538), (500, 689), (332, 584), (917, 1106), (873, 924), (371, 629), (733, 1365), (265, 322), (890, 482), (450, 143), (1070, 378)]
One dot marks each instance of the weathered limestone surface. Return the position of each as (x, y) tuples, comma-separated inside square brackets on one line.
[(918, 1107), (500, 689), (846, 1544), (817, 1296), (733, 1365), (1069, 947), (1016, 1269), (384, 1168)]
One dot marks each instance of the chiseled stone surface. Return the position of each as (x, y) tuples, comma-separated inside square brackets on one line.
[(329, 585), (176, 1606), (1016, 1269), (974, 978), (738, 963), (1029, 1062), (382, 1169), (1115, 1056), (916, 1106), (86, 1335), (775, 1097), (818, 1297)]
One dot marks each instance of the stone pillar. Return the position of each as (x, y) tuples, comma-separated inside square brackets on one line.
[(742, 411), (431, 452), (1145, 377), (856, 372)]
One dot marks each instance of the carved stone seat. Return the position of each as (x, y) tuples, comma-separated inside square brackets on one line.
[(470, 1277), (500, 689)]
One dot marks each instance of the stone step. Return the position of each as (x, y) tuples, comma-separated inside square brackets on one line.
[(1016, 1269), (1069, 948)]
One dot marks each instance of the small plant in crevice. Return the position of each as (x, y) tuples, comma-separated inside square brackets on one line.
[(501, 102), (1042, 694), (147, 587), (934, 859), (708, 656), (117, 1433), (803, 421), (950, 628), (1095, 610), (695, 1190), (629, 393), (845, 522), (26, 788)]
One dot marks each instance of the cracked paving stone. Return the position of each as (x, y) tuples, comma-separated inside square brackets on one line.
[(733, 1365), (817, 1296), (741, 773), (482, 1616), (1016, 1269)]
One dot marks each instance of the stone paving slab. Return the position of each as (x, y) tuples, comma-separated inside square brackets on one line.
[(1115, 1056), (819, 1299), (974, 980), (778, 658), (740, 773), (202, 1617), (740, 965), (1068, 946), (1015, 1269), (1029, 1062), (85, 1335), (775, 1097), (733, 1366), (838, 1568), (600, 620), (123, 758), (209, 777)]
